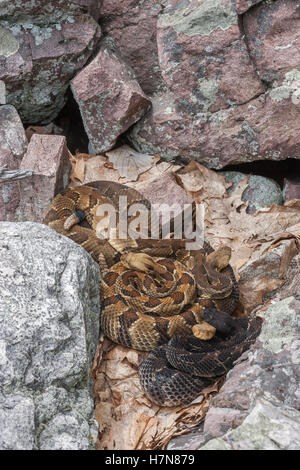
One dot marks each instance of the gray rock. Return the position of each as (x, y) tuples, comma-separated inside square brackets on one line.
[(265, 274), (2, 92), (13, 145), (244, 5), (12, 133), (47, 157), (261, 191), (17, 422), (42, 10), (49, 317), (40, 54), (267, 427)]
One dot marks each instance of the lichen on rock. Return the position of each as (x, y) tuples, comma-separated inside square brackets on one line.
[(8, 44), (200, 18)]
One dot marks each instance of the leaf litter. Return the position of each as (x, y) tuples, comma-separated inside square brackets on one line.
[(263, 245)]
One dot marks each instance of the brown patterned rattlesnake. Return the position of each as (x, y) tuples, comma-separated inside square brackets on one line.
[(155, 290)]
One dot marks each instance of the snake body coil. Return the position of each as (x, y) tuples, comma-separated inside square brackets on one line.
[(156, 290)]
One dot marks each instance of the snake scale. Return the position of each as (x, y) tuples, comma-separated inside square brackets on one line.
[(157, 296)]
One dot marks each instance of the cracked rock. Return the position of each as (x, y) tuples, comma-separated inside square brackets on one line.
[(232, 82), (13, 145), (109, 97), (39, 56), (49, 317), (47, 156)]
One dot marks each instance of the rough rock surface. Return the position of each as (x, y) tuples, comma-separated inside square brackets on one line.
[(260, 279), (200, 49), (2, 92), (13, 145), (43, 9), (47, 157), (12, 133), (260, 192), (41, 52), (291, 188), (49, 316), (269, 426), (9, 190), (247, 132), (244, 5), (109, 97), (258, 406), (223, 76), (272, 31), (232, 83), (132, 25)]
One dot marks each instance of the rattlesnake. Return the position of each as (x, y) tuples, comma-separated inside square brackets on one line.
[(155, 290)]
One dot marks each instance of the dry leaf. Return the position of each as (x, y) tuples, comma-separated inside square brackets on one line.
[(201, 182), (155, 172), (79, 169), (252, 292), (87, 156), (130, 163), (134, 422), (98, 167)]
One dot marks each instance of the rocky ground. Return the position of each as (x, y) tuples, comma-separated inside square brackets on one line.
[(213, 81)]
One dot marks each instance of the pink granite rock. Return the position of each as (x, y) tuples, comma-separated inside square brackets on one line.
[(2, 93), (291, 189), (132, 26), (238, 134), (38, 60), (217, 110), (219, 420), (273, 37), (244, 5), (201, 49), (109, 97), (47, 157), (269, 370)]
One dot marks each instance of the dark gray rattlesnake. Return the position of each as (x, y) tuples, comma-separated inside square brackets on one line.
[(154, 290), (175, 373)]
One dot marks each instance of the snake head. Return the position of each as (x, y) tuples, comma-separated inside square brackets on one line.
[(222, 321), (219, 258)]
